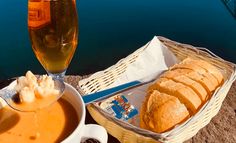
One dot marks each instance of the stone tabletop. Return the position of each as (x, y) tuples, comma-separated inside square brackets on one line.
[(222, 127)]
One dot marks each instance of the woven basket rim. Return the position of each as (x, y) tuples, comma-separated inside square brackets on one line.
[(154, 135), (164, 136)]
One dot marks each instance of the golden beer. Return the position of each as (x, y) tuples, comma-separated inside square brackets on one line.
[(53, 29)]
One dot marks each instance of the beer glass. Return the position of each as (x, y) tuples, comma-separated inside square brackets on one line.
[(53, 30)]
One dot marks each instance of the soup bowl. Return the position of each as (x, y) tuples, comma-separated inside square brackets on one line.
[(82, 131)]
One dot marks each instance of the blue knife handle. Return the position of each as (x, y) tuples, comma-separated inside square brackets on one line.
[(108, 92)]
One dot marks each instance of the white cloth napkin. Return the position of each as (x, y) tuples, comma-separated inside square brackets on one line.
[(154, 59)]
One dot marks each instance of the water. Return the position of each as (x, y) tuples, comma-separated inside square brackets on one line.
[(112, 29)]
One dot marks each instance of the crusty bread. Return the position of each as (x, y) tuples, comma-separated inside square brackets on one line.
[(176, 72), (195, 65), (165, 112), (179, 75), (154, 86), (178, 94), (152, 99), (212, 79), (205, 82), (185, 94), (208, 67), (156, 100), (205, 79), (197, 87)]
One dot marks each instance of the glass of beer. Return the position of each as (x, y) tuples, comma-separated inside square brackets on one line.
[(53, 30)]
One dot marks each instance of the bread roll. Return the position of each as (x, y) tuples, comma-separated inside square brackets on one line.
[(203, 68), (178, 94), (208, 67), (193, 67), (156, 100), (211, 78), (179, 75), (151, 99), (154, 86), (185, 94), (164, 112), (203, 79), (176, 72), (198, 69), (205, 82), (195, 86)]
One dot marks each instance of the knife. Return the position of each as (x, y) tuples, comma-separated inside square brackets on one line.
[(89, 98)]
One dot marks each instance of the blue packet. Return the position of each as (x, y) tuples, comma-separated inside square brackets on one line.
[(119, 107)]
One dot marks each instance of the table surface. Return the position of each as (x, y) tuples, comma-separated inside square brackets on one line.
[(222, 127)]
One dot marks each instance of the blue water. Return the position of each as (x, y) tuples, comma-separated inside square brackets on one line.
[(112, 29)]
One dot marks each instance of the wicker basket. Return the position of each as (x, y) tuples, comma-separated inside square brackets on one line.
[(129, 134)]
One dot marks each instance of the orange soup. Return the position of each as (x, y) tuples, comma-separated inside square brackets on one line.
[(51, 124)]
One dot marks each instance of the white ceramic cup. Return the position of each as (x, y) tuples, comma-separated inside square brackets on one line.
[(82, 131)]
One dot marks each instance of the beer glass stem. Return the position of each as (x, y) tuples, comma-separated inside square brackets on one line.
[(57, 76)]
